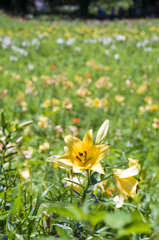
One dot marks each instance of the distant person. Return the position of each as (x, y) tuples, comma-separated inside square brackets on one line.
[(149, 10), (102, 14), (138, 12), (120, 12)]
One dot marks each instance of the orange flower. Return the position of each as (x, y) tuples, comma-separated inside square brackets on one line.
[(88, 75), (53, 67), (76, 120)]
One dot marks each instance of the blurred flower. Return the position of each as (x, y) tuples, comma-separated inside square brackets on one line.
[(70, 41), (46, 104), (73, 130), (130, 84), (116, 56), (68, 105), (142, 88), (78, 180), (149, 49), (120, 38), (43, 147), (148, 99), (76, 120), (53, 67), (156, 123), (78, 79), (55, 101), (88, 75), (58, 130), (78, 49), (30, 67), (42, 121), (60, 41), (110, 191), (97, 102), (55, 109), (23, 104), (119, 98), (101, 81), (107, 68), (106, 52), (25, 174), (28, 153), (142, 109), (154, 108), (1, 68), (12, 58), (81, 92), (82, 155), (35, 41), (125, 183)]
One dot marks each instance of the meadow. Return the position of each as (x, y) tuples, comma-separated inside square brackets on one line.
[(60, 78)]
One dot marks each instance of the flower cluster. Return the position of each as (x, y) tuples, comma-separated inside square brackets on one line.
[(81, 156)]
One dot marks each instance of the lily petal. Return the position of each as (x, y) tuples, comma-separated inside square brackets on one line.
[(120, 193), (88, 138), (129, 185), (65, 161), (134, 162), (74, 145), (129, 172), (98, 168), (53, 158), (99, 152)]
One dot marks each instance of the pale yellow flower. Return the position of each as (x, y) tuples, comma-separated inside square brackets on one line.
[(25, 174), (119, 98), (42, 121), (46, 104), (78, 180), (82, 155), (43, 147), (148, 99), (125, 183), (156, 123), (142, 88), (55, 101)]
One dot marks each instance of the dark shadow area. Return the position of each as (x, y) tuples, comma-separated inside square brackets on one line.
[(82, 8)]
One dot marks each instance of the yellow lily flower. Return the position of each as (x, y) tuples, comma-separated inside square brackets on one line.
[(82, 155), (125, 183)]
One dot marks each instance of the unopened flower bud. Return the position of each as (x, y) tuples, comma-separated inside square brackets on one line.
[(102, 132)]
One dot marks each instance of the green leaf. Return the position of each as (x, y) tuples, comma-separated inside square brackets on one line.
[(40, 197), (67, 210), (118, 219), (2, 119), (137, 227), (75, 183), (4, 216), (63, 234)]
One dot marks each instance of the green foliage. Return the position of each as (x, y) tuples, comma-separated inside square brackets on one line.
[(71, 89)]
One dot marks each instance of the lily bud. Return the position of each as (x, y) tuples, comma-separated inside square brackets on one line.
[(102, 132)]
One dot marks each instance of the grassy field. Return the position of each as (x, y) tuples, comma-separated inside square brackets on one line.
[(68, 77)]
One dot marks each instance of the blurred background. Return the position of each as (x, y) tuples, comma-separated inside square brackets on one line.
[(100, 9)]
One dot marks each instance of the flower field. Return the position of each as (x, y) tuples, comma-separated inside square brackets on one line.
[(62, 174)]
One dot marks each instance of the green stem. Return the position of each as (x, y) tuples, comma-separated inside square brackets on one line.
[(103, 179), (87, 186)]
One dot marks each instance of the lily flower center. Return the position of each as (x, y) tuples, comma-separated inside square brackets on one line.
[(82, 157)]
